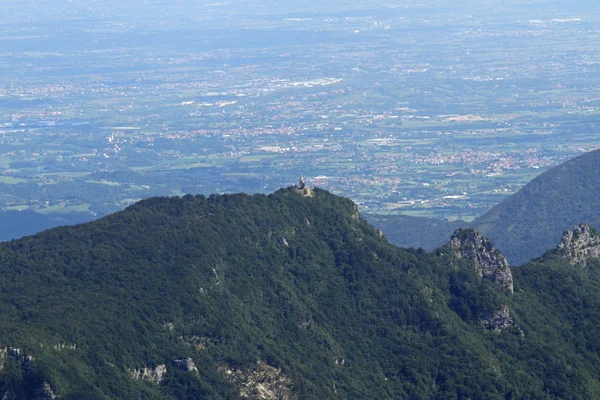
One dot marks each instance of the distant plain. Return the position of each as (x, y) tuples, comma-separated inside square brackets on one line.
[(431, 110)]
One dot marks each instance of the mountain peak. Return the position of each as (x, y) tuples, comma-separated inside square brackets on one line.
[(280, 296), (489, 262), (579, 244)]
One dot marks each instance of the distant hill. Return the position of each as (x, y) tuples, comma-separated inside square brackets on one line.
[(416, 232), (531, 221), (16, 224), (286, 296)]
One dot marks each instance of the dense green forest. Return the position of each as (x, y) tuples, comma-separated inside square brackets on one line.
[(282, 296)]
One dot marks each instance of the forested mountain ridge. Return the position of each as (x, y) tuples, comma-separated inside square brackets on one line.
[(531, 221), (290, 295), (524, 225)]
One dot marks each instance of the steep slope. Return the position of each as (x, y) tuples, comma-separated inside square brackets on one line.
[(578, 246), (488, 261), (531, 221), (291, 295), (300, 285), (558, 302)]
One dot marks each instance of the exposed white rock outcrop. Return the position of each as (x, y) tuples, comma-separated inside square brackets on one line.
[(24, 359), (489, 262), (169, 326), (261, 381), (65, 346), (499, 321), (45, 392), (24, 362), (156, 375), (579, 244), (2, 358), (186, 364)]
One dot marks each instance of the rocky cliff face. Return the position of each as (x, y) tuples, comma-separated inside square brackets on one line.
[(45, 392), (156, 375), (489, 262), (500, 321), (42, 391), (186, 364), (579, 244), (261, 381)]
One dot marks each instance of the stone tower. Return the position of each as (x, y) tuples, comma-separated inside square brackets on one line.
[(301, 188), (301, 184)]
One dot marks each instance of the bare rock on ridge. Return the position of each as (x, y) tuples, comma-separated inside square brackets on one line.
[(489, 262)]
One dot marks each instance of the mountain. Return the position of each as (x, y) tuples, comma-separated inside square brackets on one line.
[(529, 222), (16, 224), (286, 296), (418, 232)]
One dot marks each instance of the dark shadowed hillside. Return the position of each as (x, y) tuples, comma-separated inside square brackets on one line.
[(286, 296), (531, 221), (417, 232)]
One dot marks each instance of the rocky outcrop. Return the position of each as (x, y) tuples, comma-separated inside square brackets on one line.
[(579, 244), (186, 365), (169, 326), (23, 359), (45, 392), (499, 321), (65, 346), (489, 262), (156, 375), (41, 392), (24, 362), (261, 381)]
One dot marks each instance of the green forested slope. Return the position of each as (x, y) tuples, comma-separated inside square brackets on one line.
[(531, 221), (295, 293)]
